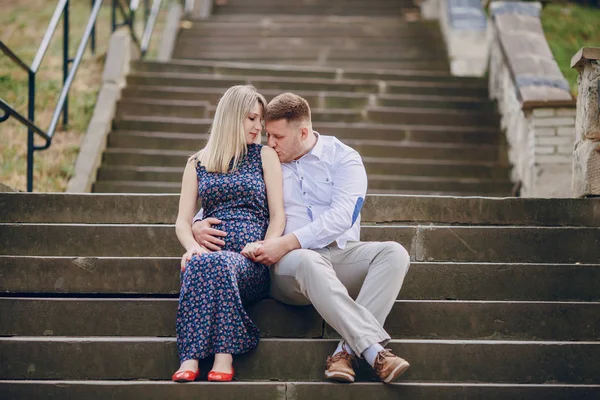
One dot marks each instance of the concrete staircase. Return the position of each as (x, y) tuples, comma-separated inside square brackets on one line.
[(503, 296), (376, 81), (502, 302)]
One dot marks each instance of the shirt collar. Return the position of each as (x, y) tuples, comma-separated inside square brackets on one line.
[(317, 150)]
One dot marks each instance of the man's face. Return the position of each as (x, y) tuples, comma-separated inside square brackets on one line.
[(285, 138)]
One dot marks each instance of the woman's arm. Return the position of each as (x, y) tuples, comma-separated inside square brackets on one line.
[(274, 184), (187, 206)]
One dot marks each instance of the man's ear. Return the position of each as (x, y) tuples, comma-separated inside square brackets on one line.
[(304, 131)]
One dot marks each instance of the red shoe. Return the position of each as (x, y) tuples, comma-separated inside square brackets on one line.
[(215, 376), (185, 376)]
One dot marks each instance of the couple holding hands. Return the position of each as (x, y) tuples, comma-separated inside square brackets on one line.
[(282, 219)]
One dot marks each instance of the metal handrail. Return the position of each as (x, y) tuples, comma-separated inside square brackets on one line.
[(62, 10)]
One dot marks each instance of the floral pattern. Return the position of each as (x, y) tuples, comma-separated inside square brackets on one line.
[(215, 286)]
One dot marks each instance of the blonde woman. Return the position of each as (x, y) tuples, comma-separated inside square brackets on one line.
[(239, 182)]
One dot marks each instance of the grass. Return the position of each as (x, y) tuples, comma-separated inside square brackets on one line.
[(569, 27), (22, 31)]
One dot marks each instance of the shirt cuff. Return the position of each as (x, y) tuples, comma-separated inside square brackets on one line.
[(305, 237), (198, 216)]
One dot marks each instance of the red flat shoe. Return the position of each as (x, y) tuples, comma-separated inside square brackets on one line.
[(185, 376), (215, 376)]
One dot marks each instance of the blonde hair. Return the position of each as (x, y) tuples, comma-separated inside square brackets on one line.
[(227, 140)]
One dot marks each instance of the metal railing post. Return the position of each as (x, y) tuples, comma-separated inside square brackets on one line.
[(30, 143), (113, 15), (93, 44), (66, 61)]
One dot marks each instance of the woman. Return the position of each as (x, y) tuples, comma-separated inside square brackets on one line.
[(239, 182)]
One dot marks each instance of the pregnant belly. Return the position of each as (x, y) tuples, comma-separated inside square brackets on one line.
[(240, 232)]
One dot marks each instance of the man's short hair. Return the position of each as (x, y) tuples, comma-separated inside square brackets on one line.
[(288, 106)]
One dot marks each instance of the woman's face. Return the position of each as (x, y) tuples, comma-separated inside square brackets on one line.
[(253, 123)]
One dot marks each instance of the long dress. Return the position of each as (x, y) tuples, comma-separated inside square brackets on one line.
[(211, 317)]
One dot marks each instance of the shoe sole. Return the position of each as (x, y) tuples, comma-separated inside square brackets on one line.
[(339, 377), (395, 374)]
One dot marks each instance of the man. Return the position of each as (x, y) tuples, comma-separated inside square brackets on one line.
[(320, 260)]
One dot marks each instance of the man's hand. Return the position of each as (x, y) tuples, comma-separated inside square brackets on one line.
[(273, 250), (207, 236), (188, 255)]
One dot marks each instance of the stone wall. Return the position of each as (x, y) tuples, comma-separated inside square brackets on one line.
[(467, 34), (534, 99)]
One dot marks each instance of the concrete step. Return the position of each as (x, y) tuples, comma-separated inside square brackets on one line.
[(159, 390), (416, 116), (196, 109), (424, 243), (406, 187), (282, 83), (253, 69), (373, 165), (436, 183), (300, 43), (407, 319), (186, 141), (160, 209), (318, 99), (122, 276), (380, 115), (439, 66), (329, 8), (212, 96), (426, 133), (156, 358), (296, 26), (367, 148)]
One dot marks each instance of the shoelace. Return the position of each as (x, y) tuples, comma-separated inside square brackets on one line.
[(381, 358)]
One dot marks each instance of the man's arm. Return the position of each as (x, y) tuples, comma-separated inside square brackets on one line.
[(349, 190), (350, 187)]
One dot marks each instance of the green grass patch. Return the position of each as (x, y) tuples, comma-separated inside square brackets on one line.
[(569, 27), (22, 27)]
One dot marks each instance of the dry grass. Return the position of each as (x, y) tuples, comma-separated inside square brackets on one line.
[(22, 31)]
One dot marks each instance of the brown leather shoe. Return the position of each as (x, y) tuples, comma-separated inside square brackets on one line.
[(339, 367), (388, 366)]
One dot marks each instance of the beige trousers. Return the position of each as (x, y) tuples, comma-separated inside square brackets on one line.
[(353, 289)]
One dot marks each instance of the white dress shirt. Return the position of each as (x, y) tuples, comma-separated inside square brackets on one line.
[(323, 193)]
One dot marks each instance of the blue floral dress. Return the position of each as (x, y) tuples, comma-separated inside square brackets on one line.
[(211, 317)]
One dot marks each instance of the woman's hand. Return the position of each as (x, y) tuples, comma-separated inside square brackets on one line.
[(196, 249), (250, 249)]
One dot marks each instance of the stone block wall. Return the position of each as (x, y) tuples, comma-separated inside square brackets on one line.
[(467, 34), (534, 99)]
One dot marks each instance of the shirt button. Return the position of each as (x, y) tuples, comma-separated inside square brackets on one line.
[(301, 178), (326, 179), (304, 193)]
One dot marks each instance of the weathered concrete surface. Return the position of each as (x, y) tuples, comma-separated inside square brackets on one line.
[(424, 243), (431, 361), (169, 36), (162, 209), (116, 68), (491, 320), (586, 158), (407, 320), (137, 317), (425, 281), (160, 390), (147, 390)]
